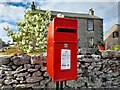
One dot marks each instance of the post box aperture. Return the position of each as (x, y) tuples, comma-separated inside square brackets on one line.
[(62, 49)]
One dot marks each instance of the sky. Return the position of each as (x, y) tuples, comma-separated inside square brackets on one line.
[(12, 11)]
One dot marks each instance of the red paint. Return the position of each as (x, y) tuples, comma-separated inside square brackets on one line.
[(61, 31)]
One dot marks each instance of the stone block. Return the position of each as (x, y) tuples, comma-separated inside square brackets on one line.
[(32, 70), (1, 81), (14, 81), (37, 66), (14, 67), (27, 66), (71, 83), (28, 75), (37, 74), (20, 86), (21, 74), (43, 68), (19, 68), (109, 54), (51, 84), (20, 78), (44, 82), (33, 79), (7, 82), (117, 54), (4, 60), (22, 82), (46, 74), (8, 77), (14, 85), (34, 85), (21, 60), (36, 60), (7, 87)]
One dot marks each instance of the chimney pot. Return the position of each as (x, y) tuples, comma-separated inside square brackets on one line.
[(91, 11)]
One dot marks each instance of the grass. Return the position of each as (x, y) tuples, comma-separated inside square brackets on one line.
[(12, 50)]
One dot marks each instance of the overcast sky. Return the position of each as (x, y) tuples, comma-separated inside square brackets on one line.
[(13, 10)]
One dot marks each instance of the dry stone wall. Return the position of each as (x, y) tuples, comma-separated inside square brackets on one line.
[(25, 71)]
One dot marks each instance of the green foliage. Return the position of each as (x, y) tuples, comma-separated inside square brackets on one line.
[(32, 33), (115, 47), (101, 43)]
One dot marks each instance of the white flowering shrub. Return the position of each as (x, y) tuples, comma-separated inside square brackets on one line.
[(32, 35)]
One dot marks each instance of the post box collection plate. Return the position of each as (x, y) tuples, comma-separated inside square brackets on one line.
[(65, 59)]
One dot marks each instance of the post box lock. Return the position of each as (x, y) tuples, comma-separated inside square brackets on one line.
[(65, 45)]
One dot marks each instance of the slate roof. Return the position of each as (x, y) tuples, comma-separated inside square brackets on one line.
[(75, 15)]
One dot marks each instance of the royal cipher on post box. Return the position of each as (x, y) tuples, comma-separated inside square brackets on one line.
[(62, 49)]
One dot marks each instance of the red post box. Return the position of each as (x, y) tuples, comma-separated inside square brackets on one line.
[(62, 49)]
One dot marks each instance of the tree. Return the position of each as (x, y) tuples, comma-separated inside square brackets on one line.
[(32, 33)]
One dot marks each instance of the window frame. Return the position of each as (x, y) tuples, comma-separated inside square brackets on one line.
[(92, 25), (115, 34), (89, 39)]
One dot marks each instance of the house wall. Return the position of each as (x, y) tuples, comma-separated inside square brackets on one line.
[(84, 34), (109, 36), (1, 43)]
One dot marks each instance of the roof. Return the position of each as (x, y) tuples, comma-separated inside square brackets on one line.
[(74, 15), (111, 30)]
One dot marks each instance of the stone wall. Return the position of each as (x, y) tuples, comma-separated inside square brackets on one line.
[(25, 71)]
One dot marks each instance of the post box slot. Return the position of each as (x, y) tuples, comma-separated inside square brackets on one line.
[(66, 30)]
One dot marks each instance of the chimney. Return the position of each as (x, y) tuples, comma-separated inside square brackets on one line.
[(91, 11), (33, 6)]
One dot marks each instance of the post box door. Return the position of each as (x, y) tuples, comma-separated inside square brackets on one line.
[(61, 70)]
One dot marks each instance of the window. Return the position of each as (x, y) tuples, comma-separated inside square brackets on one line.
[(90, 41), (90, 24), (115, 34)]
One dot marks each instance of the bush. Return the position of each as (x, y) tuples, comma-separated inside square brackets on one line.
[(115, 47)]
